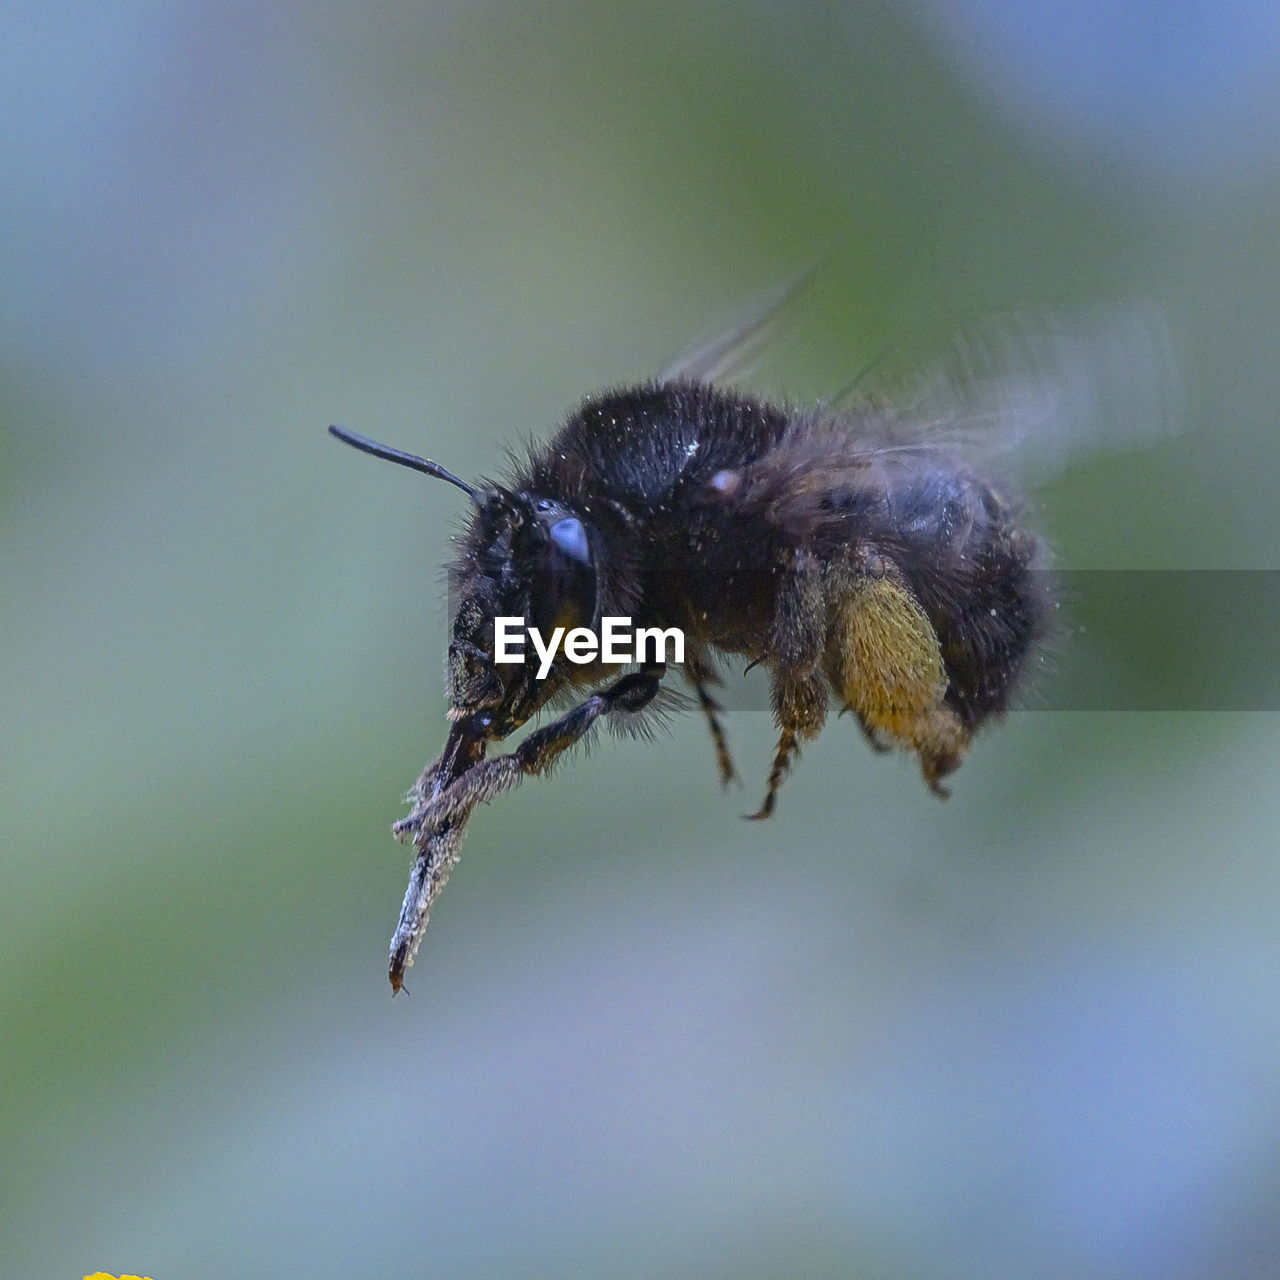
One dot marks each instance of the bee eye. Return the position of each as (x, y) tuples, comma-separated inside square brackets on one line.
[(564, 582)]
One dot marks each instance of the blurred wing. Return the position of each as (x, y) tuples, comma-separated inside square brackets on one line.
[(1028, 392), (730, 356)]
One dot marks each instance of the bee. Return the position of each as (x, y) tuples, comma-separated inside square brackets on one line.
[(860, 553)]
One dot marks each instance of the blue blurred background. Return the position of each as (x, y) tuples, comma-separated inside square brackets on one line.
[(1033, 1032)]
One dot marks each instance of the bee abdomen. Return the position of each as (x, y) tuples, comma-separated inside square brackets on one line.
[(977, 572), (989, 609)]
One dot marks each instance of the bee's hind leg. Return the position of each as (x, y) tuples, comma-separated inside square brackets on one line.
[(884, 660)]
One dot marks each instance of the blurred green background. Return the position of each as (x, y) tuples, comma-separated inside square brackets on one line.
[(1033, 1032)]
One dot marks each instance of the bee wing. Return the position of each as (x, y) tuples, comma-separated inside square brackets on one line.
[(1027, 392), (730, 356)]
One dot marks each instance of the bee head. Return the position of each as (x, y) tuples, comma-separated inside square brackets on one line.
[(527, 558), (522, 557)]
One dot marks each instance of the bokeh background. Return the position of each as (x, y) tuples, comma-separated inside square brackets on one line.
[(1033, 1032)]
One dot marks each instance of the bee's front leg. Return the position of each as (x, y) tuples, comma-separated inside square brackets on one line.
[(536, 754)]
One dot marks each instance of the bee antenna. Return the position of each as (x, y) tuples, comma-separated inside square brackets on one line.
[(427, 467)]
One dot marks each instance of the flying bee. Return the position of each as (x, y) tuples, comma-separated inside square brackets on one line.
[(868, 555)]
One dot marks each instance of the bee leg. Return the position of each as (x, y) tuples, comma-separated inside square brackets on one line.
[(796, 648), (711, 709), (800, 708), (488, 779), (700, 675), (884, 660), (787, 749), (873, 740)]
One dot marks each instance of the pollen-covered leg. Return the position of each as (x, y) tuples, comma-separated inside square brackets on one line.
[(884, 661)]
